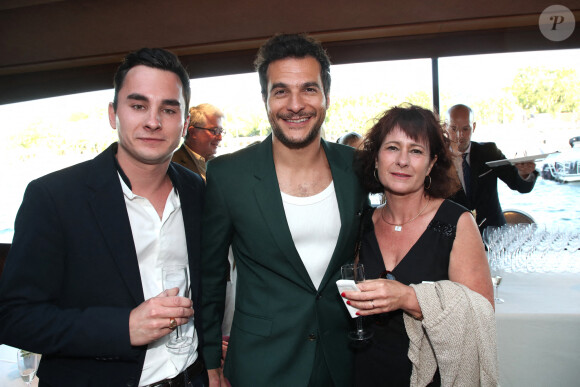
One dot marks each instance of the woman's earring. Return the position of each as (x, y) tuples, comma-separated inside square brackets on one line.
[(429, 186), (376, 175)]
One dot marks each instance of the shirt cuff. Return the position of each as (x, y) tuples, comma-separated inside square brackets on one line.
[(531, 177)]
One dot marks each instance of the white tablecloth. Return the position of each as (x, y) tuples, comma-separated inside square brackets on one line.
[(538, 330), (9, 375)]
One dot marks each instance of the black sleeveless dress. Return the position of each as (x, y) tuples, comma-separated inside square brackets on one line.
[(384, 361)]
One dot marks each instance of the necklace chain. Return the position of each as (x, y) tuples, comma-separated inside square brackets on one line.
[(399, 227)]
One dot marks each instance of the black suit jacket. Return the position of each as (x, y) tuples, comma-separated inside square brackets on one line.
[(484, 197), (72, 278)]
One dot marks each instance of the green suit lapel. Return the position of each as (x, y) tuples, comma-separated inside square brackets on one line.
[(269, 201), (270, 204)]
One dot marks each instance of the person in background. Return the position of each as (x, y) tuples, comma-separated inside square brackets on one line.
[(82, 283), (290, 208), (418, 236), (478, 180), (203, 137), (352, 139)]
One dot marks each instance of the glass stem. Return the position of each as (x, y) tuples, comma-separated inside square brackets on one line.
[(359, 325)]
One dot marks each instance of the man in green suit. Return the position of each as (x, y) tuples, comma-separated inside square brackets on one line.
[(290, 207)]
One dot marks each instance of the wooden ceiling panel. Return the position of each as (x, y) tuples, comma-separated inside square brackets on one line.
[(53, 47), (88, 29)]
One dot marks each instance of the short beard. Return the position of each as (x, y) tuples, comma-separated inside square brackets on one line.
[(293, 144)]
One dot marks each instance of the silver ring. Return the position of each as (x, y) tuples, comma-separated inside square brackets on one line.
[(373, 303)]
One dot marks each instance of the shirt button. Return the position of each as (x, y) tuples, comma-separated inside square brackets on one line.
[(312, 337)]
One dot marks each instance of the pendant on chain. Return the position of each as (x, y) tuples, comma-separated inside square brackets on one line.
[(399, 227)]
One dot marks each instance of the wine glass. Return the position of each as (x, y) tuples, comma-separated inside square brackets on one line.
[(27, 365), (177, 277), (356, 272), (496, 269), (490, 238)]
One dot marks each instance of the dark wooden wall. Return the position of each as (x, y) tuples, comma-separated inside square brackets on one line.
[(54, 47)]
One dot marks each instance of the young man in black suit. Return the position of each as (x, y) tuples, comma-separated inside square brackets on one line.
[(82, 283), (478, 180)]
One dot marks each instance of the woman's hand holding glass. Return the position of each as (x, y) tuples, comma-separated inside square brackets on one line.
[(384, 295)]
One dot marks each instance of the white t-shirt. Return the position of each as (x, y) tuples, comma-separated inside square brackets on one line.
[(314, 223)]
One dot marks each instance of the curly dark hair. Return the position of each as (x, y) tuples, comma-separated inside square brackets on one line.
[(282, 46), (422, 125)]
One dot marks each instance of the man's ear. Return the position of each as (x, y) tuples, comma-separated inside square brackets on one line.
[(112, 116), (185, 126), (473, 130)]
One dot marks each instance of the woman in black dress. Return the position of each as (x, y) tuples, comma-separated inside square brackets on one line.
[(416, 236)]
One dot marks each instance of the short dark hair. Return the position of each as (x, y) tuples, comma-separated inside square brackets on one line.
[(283, 46), (157, 58), (349, 138), (421, 125)]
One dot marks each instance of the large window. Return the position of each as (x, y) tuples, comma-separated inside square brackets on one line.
[(525, 102), (42, 136), (359, 93)]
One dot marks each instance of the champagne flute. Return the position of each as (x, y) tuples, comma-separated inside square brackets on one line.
[(356, 272), (27, 365), (490, 236), (496, 270), (177, 277)]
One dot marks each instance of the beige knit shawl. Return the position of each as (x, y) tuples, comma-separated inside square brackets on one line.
[(457, 334)]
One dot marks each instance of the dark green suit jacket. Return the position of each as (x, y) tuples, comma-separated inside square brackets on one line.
[(280, 317)]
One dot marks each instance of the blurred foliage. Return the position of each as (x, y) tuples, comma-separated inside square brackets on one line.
[(543, 90), (358, 114), (501, 109), (244, 123), (82, 133)]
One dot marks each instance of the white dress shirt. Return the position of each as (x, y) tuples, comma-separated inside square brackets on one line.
[(158, 243)]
